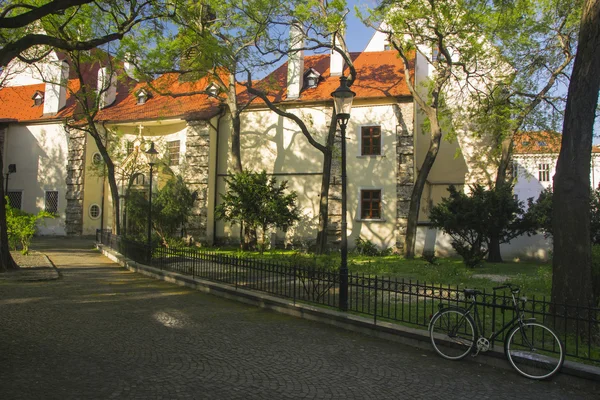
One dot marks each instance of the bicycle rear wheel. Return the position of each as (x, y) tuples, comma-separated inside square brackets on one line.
[(452, 333), (534, 350)]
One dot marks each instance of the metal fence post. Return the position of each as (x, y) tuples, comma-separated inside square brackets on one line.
[(294, 282), (376, 299)]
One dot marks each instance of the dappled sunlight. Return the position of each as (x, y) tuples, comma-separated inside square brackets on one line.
[(22, 300), (171, 319)]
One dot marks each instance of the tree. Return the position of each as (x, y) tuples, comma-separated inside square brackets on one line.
[(537, 39), (321, 26), (171, 208), (571, 263), (256, 200), (30, 30), (473, 219), (6, 261), (463, 64)]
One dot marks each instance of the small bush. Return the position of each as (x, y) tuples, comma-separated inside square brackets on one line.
[(21, 226), (366, 247), (430, 257)]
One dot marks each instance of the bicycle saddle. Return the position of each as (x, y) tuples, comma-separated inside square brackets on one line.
[(472, 292)]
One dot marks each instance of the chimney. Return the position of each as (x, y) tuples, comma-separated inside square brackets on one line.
[(55, 96), (295, 74), (129, 67), (107, 97), (336, 62)]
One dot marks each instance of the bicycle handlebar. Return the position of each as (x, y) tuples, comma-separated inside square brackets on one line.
[(513, 288)]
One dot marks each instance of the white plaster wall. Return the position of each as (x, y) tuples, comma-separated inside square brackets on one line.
[(535, 247), (92, 191), (160, 132), (277, 145), (527, 183), (40, 153)]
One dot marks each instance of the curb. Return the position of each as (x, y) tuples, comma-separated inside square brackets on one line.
[(570, 374), (58, 273)]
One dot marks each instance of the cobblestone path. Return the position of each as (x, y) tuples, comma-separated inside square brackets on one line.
[(102, 332)]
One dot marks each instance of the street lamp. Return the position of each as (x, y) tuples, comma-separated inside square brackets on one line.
[(12, 168), (342, 98), (152, 156)]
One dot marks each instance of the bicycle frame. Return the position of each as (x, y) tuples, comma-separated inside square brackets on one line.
[(474, 311)]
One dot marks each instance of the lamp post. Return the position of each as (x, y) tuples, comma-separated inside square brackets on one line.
[(342, 98), (12, 168), (152, 155)]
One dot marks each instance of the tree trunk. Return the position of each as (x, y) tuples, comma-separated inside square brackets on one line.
[(236, 152), (110, 172), (321, 247), (494, 254), (571, 263), (415, 197), (6, 261)]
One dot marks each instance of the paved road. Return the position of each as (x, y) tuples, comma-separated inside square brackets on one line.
[(102, 332)]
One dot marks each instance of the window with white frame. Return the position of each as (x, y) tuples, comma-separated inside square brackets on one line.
[(174, 152), (544, 172), (95, 211), (370, 204), (370, 141), (129, 147), (51, 201)]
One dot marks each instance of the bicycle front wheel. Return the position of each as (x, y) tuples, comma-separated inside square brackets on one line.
[(534, 350), (452, 333)]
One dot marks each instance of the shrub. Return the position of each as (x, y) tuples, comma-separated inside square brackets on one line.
[(473, 220), (21, 226), (257, 201), (366, 247)]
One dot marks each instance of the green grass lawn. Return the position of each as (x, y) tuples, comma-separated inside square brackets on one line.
[(534, 278)]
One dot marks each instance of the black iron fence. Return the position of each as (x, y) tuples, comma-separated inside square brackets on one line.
[(382, 298)]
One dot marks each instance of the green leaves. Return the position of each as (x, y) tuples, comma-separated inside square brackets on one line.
[(256, 200), (473, 219)]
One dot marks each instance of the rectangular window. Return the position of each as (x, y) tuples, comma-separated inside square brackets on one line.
[(129, 148), (515, 170), (370, 140), (51, 204), (14, 199), (544, 172), (370, 204), (174, 152)]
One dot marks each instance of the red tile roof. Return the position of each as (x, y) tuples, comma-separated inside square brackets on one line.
[(379, 75), (541, 142), (16, 103), (163, 105)]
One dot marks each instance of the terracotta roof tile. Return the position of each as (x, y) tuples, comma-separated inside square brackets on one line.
[(16, 103), (163, 105), (379, 74), (541, 142)]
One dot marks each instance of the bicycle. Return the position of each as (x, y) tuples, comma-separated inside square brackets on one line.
[(532, 348)]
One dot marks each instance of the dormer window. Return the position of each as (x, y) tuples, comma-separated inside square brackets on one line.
[(386, 46), (38, 98), (541, 143), (212, 90), (142, 96), (311, 78)]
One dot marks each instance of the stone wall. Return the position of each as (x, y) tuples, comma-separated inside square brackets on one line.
[(405, 178), (196, 177), (75, 181)]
